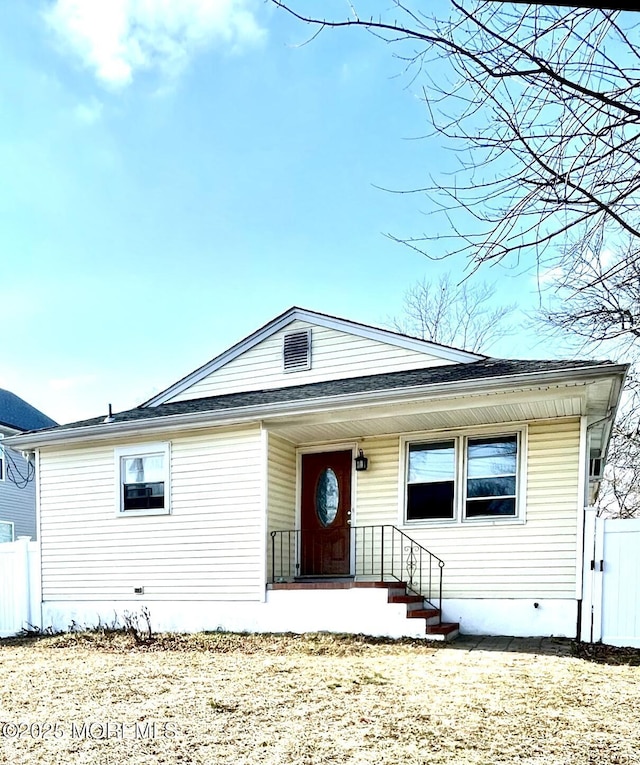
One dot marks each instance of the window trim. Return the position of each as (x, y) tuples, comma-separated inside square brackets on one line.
[(142, 450), (460, 437)]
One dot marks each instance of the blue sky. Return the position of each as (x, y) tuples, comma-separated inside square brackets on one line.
[(177, 174)]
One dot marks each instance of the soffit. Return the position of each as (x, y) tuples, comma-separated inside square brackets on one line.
[(517, 406)]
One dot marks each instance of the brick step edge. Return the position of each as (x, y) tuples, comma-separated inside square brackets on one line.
[(445, 628), (423, 613), (405, 599)]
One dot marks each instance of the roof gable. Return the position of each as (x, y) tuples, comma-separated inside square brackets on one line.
[(427, 351)]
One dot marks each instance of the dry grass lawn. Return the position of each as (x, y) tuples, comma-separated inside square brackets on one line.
[(245, 700)]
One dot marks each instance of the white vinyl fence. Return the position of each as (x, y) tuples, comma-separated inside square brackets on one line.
[(611, 598), (19, 586)]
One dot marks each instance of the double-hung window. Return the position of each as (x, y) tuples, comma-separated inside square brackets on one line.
[(431, 481), (491, 476), (143, 479), (464, 478)]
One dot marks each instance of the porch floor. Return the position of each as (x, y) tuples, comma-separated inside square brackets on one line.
[(332, 584)]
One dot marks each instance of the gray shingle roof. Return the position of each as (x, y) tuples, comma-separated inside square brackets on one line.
[(16, 413), (477, 370)]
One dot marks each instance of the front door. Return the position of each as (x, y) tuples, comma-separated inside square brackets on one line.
[(326, 514)]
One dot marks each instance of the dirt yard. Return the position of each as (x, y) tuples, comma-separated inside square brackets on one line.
[(245, 700)]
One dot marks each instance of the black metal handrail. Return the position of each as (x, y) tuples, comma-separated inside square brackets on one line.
[(382, 553), (285, 547)]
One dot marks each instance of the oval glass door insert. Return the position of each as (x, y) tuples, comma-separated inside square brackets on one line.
[(327, 497)]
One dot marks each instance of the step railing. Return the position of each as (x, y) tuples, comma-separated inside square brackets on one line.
[(382, 553)]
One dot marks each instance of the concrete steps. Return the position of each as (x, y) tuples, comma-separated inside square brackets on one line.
[(418, 608)]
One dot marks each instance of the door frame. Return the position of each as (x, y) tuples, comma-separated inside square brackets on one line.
[(344, 446)]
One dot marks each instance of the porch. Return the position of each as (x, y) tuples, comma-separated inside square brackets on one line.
[(375, 560), (498, 576)]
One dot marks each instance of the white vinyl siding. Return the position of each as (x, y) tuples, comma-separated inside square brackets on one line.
[(536, 559), (209, 548), (281, 477), (335, 355)]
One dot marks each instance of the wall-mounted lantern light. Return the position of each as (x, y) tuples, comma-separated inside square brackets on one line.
[(362, 462)]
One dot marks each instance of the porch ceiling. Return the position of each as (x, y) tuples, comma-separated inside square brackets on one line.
[(439, 414)]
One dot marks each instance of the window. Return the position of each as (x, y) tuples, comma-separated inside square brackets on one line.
[(6, 531), (143, 479), (492, 468), (431, 481), (296, 351), (465, 478), (2, 468)]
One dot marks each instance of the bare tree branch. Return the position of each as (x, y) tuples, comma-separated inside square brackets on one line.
[(543, 102), (596, 299), (461, 315)]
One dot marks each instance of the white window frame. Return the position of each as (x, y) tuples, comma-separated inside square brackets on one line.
[(142, 450), (3, 463), (460, 438)]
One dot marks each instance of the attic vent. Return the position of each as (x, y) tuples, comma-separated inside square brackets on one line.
[(296, 351)]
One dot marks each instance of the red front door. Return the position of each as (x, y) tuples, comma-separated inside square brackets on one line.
[(326, 514)]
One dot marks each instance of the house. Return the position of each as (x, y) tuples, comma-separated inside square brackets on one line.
[(327, 475), (17, 487)]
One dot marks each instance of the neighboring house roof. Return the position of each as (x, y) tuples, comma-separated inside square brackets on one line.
[(447, 352), (485, 369), (18, 414)]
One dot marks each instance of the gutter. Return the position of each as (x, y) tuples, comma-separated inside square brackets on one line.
[(241, 415), (612, 411)]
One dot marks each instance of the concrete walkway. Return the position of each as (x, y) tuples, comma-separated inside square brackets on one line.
[(542, 645)]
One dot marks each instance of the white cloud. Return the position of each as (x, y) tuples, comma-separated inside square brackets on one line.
[(88, 113), (549, 275), (118, 38), (607, 258)]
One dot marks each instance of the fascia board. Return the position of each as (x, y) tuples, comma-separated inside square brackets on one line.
[(391, 338), (265, 412), (454, 355), (224, 358)]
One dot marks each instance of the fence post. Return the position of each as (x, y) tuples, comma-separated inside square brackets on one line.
[(588, 552), (596, 625), (25, 575), (35, 584)]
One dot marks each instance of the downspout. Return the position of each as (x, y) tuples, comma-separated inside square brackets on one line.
[(39, 535)]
